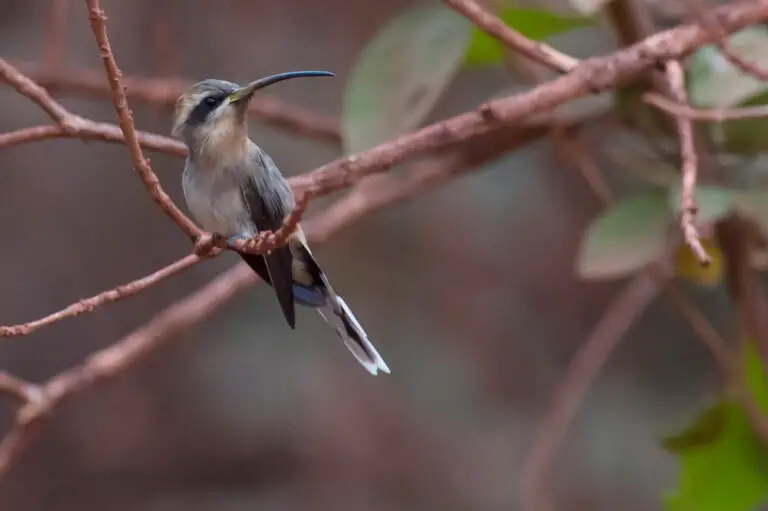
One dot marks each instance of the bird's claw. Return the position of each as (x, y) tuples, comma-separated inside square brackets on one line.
[(207, 244), (231, 241)]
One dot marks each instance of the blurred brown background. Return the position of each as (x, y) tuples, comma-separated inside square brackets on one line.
[(468, 292)]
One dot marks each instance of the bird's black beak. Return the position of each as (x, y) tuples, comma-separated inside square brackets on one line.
[(247, 91)]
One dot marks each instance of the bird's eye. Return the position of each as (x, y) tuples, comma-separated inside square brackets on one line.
[(210, 101)]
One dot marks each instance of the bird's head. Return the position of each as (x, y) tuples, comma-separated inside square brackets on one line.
[(211, 113)]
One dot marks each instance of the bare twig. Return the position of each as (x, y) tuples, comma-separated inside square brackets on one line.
[(112, 295), (21, 391), (711, 115), (27, 87), (494, 27), (55, 34), (689, 167), (570, 392), (164, 92), (98, 24), (91, 130)]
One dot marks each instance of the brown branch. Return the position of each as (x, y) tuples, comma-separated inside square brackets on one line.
[(112, 295), (569, 394), (91, 130), (494, 27), (164, 92), (592, 75), (710, 22), (21, 391), (55, 34), (710, 115), (111, 361), (26, 87), (98, 24), (689, 167)]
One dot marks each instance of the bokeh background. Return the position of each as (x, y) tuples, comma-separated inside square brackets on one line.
[(468, 291)]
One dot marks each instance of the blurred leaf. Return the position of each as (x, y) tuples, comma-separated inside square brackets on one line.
[(589, 6), (704, 430), (754, 373), (714, 202), (626, 237), (401, 74), (688, 267), (753, 205), (723, 466), (534, 24), (745, 136), (714, 83)]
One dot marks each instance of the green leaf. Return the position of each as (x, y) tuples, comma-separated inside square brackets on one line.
[(626, 237), (532, 23), (727, 472), (745, 136), (723, 466), (714, 202), (754, 373), (401, 74), (706, 429)]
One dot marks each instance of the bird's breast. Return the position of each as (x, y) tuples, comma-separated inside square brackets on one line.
[(217, 203)]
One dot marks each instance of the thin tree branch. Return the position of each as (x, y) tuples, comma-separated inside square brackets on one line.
[(98, 24), (26, 87), (710, 115), (494, 27), (113, 295), (689, 167), (21, 391), (164, 92), (91, 130)]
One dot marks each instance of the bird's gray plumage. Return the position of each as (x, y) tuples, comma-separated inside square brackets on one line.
[(233, 188)]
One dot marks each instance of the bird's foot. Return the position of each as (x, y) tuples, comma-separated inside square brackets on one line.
[(232, 241), (206, 245)]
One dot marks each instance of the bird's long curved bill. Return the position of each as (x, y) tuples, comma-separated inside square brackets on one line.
[(248, 90)]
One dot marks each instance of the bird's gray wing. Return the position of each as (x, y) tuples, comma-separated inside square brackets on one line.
[(275, 267)]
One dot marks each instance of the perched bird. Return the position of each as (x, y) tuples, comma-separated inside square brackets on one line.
[(235, 190)]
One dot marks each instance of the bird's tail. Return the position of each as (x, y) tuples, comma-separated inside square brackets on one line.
[(336, 313)]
